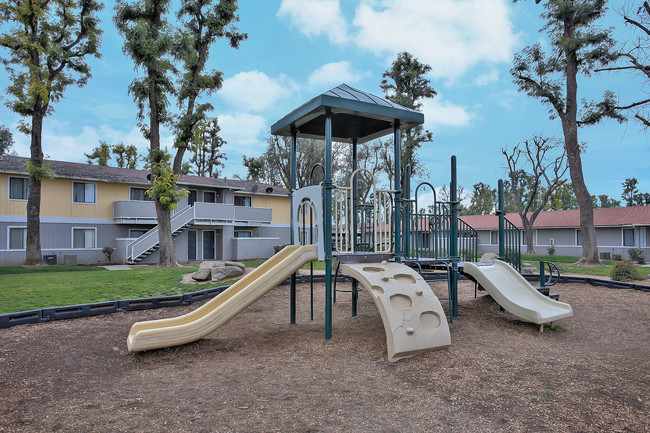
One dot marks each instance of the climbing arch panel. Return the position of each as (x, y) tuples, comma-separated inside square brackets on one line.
[(412, 315)]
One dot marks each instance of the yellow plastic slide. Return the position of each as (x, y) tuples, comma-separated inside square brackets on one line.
[(514, 293), (206, 319)]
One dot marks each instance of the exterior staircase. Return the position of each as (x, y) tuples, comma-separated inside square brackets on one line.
[(149, 242)]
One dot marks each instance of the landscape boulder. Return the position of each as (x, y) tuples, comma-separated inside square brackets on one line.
[(488, 258), (205, 270), (218, 270)]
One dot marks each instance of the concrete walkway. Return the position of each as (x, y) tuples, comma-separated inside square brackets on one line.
[(117, 267)]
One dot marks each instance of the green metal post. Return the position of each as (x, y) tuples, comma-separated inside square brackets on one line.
[(407, 211), (502, 216), (542, 277), (353, 233), (292, 294), (453, 235), (327, 229), (398, 191)]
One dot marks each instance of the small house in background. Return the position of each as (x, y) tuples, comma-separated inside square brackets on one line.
[(617, 230), (85, 208)]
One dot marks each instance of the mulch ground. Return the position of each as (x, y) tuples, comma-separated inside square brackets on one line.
[(260, 374)]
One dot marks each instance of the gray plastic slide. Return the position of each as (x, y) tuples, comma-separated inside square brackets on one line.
[(514, 293)]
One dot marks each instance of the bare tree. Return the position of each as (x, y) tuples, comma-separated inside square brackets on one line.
[(545, 175)]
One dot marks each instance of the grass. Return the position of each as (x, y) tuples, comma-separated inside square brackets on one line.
[(565, 265), (9, 270)]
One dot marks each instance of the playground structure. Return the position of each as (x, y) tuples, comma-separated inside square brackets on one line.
[(375, 235)]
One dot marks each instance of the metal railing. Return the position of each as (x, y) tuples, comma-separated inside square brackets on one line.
[(512, 245)]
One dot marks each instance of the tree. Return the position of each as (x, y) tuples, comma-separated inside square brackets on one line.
[(155, 47), (443, 195), (101, 153), (483, 200), (6, 140), (255, 167), (405, 84), (274, 166), (207, 156), (631, 195), (546, 171), (632, 57), (126, 156), (148, 40), (577, 46), (48, 44), (604, 201), (563, 198), (202, 23)]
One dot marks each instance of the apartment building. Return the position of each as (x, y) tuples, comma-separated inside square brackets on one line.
[(85, 208)]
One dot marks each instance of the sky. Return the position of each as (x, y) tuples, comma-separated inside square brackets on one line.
[(298, 49)]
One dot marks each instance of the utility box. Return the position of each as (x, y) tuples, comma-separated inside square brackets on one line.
[(50, 259), (605, 255)]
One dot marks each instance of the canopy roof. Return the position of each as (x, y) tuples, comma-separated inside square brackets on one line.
[(355, 114)]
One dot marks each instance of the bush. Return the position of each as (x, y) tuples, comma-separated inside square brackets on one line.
[(636, 254), (551, 251), (108, 252), (617, 257), (625, 271)]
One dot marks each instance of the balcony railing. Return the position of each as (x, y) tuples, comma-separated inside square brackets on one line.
[(144, 212)]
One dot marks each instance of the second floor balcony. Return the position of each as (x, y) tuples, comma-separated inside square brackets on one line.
[(144, 212)]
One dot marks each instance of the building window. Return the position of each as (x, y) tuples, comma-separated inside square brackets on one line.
[(84, 238), (18, 188), (241, 200), (209, 197), (136, 233), (17, 238), (628, 237), (578, 238), (83, 192), (139, 194), (494, 237), (244, 234)]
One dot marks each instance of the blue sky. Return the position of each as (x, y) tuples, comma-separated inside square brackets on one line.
[(297, 49)]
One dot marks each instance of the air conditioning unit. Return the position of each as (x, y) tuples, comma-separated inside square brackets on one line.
[(605, 255)]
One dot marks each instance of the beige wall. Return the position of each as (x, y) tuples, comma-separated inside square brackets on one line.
[(56, 199), (281, 206)]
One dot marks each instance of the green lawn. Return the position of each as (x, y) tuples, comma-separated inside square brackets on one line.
[(565, 265), (34, 289)]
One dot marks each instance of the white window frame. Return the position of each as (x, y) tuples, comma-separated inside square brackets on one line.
[(94, 229), (577, 232), (623, 229), (247, 199), (210, 192), (9, 188), (643, 240), (147, 198), (9, 238), (84, 202), (140, 230), (497, 239)]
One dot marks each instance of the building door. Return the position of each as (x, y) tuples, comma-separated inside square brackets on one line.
[(208, 245), (191, 245), (191, 198)]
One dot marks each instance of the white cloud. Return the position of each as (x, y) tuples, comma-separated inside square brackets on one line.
[(333, 74), (243, 131), (438, 112), (60, 145), (489, 78), (449, 35), (315, 18), (253, 91)]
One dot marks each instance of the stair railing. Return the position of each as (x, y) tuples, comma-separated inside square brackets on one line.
[(150, 239)]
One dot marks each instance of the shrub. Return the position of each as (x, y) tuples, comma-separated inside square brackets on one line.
[(617, 257), (636, 254), (108, 252), (551, 251), (625, 271)]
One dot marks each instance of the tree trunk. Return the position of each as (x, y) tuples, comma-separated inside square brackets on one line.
[(528, 237), (572, 146), (167, 255), (33, 253)]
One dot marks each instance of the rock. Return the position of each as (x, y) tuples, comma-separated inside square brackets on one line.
[(240, 265), (529, 269), (205, 270), (488, 258), (221, 273)]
